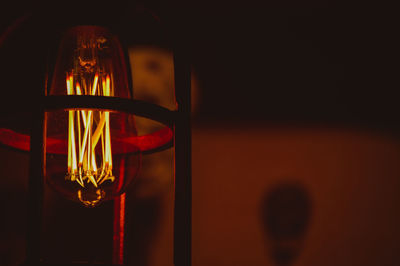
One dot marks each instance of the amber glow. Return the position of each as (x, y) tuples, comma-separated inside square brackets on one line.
[(89, 139), (85, 146)]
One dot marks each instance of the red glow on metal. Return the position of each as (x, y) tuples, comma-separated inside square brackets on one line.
[(57, 146), (119, 222)]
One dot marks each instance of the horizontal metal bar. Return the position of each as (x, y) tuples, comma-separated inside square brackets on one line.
[(135, 107)]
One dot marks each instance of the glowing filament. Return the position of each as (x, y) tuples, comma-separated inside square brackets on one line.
[(84, 153)]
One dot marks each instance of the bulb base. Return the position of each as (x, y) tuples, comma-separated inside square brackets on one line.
[(91, 196)]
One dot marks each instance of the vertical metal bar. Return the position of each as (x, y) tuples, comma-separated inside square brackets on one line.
[(37, 166), (119, 221), (35, 189), (183, 170), (119, 230)]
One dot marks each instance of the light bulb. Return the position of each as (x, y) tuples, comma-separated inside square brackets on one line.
[(87, 158)]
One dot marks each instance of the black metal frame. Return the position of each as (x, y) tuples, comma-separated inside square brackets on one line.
[(135, 107), (179, 120), (183, 160)]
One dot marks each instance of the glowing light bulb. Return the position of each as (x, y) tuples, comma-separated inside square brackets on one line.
[(87, 159)]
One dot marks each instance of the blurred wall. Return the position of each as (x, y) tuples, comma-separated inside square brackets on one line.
[(351, 178)]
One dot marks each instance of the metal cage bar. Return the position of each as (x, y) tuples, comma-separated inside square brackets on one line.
[(183, 161)]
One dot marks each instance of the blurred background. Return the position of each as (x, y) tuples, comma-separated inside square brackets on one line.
[(295, 138)]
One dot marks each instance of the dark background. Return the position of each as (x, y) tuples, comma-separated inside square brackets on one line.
[(275, 61), (296, 110)]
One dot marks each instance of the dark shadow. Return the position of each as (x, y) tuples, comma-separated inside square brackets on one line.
[(87, 233), (285, 212), (143, 217)]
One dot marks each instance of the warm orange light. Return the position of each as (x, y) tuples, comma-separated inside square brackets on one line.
[(84, 146)]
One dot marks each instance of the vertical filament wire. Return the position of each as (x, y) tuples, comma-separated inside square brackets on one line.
[(82, 156)]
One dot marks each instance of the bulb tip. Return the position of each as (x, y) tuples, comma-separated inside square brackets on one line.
[(90, 199)]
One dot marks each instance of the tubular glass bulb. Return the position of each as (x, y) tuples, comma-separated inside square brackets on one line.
[(87, 159)]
